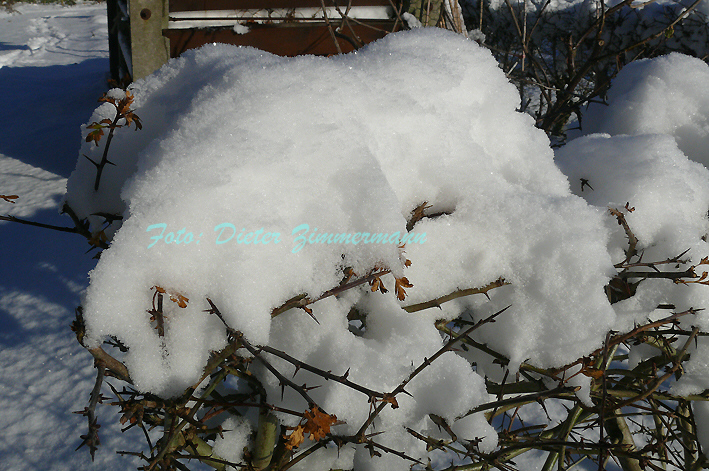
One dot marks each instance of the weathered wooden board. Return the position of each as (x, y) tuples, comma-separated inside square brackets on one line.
[(202, 5), (291, 39)]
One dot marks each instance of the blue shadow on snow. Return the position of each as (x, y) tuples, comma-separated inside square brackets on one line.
[(42, 110)]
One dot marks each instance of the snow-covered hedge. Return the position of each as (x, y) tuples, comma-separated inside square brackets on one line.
[(259, 183)]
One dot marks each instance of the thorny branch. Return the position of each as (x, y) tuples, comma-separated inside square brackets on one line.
[(302, 301), (342, 379), (621, 288), (457, 294), (125, 115), (80, 226), (91, 439)]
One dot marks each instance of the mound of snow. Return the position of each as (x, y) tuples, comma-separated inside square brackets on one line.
[(665, 95)]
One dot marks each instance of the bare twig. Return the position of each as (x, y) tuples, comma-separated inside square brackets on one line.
[(330, 28), (457, 294)]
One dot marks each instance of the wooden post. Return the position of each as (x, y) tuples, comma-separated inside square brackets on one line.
[(114, 48), (149, 49)]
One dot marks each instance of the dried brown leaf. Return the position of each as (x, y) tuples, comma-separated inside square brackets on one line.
[(402, 283), (296, 438), (592, 372), (390, 399), (318, 423), (375, 284), (179, 299), (98, 239)]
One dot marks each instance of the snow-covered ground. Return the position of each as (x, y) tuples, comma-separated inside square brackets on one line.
[(53, 68)]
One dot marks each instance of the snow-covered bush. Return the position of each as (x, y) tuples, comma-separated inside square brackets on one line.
[(374, 261)]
